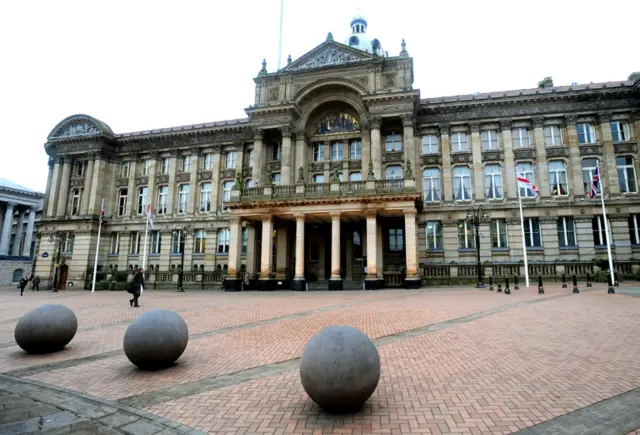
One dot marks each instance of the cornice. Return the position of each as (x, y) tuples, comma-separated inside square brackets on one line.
[(296, 202)]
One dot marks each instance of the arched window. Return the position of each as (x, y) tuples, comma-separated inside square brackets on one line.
[(17, 275), (558, 178), (219, 268), (243, 268), (462, 183), (202, 268), (525, 169), (431, 178), (393, 172)]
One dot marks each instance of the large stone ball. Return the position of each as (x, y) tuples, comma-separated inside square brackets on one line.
[(156, 339), (46, 329), (340, 368)]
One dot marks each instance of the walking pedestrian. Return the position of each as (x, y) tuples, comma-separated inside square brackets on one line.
[(136, 286), (35, 284), (23, 283)]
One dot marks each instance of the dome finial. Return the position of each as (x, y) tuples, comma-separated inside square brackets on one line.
[(404, 52), (264, 67), (289, 60), (329, 36)]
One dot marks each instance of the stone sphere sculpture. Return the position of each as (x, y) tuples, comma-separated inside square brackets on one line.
[(340, 368), (46, 329), (156, 339)]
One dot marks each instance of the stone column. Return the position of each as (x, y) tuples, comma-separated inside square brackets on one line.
[(194, 187), (540, 168), (267, 250), (15, 251), (379, 254), (574, 166), (28, 237), (509, 170), (301, 152), (86, 194), (476, 166), (608, 161), (281, 253), (299, 282), (99, 185), (7, 225), (411, 248), (171, 195), (151, 184), (232, 283), (447, 177), (258, 158), (132, 188), (251, 250), (407, 139), (366, 153), (216, 187), (54, 190), (287, 173), (335, 283), (371, 281), (376, 148), (48, 191), (63, 192)]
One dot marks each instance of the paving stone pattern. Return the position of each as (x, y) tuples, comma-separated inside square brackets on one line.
[(453, 361)]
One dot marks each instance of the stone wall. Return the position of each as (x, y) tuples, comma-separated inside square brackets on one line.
[(9, 264)]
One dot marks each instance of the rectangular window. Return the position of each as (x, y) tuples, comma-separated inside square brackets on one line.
[(275, 178), (122, 202), (634, 229), (230, 160), (250, 159), (318, 178), (588, 168), (431, 182), (144, 167), (434, 236), (532, 233), (67, 243), (177, 242), (499, 234), (183, 198), (114, 248), (226, 190), (355, 176), (205, 197), (558, 178), (393, 172), (459, 143), (156, 242), (200, 242), (393, 142), (355, 150), (186, 164), (318, 152), (75, 202), (165, 164), (599, 231), (207, 162), (276, 152), (134, 243), (586, 133), (79, 169), (525, 169), (143, 199), (626, 174), (430, 144), (245, 240), (466, 235), (493, 182), (553, 136), (337, 151), (124, 170), (520, 137), (462, 183), (223, 241), (489, 140), (620, 131), (566, 232), (163, 199), (396, 239)]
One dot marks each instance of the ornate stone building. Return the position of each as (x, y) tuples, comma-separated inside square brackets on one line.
[(342, 175)]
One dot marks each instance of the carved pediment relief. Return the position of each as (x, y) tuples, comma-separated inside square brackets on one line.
[(79, 126), (327, 54)]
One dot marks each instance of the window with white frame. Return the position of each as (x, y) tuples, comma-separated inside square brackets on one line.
[(355, 176), (134, 243), (558, 178), (250, 158), (459, 142), (183, 198), (620, 131), (122, 202), (532, 233), (586, 133), (393, 142), (79, 169), (520, 137), (186, 164), (165, 164), (634, 229), (599, 231), (124, 170), (588, 168), (434, 236), (245, 240), (462, 183), (163, 199), (318, 152), (499, 238), (493, 181), (226, 190), (355, 150), (317, 178), (276, 151), (431, 182), (626, 174), (230, 160), (396, 239), (466, 234), (430, 144), (205, 197), (75, 202), (489, 140), (144, 167), (566, 232), (200, 242), (156, 242), (525, 169), (223, 240), (114, 245), (553, 136), (177, 242), (143, 200), (67, 243), (393, 172), (207, 162), (337, 151), (275, 178)]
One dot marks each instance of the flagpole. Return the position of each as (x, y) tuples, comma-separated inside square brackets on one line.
[(606, 228), (146, 231), (524, 241), (280, 34), (95, 262)]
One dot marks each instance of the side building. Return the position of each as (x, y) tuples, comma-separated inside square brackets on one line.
[(341, 176)]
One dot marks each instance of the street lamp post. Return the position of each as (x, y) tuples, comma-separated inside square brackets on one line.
[(57, 238), (182, 231), (474, 215)]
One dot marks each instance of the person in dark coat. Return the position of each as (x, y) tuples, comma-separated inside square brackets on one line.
[(35, 284), (138, 285), (23, 283)]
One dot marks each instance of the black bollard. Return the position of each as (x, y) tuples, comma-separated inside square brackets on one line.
[(575, 284), (499, 287), (564, 281), (589, 281), (515, 283), (610, 291), (491, 283), (507, 290), (540, 288)]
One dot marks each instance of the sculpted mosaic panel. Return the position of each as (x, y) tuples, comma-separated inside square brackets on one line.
[(337, 123)]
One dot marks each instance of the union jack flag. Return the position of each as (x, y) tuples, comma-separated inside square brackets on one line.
[(595, 181), (101, 212)]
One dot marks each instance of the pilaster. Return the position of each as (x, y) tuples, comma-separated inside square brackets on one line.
[(151, 185), (540, 168), (267, 248), (445, 150), (376, 147), (259, 166), (235, 246), (54, 189), (549, 234), (511, 190), (620, 235), (372, 245), (477, 169), (366, 152), (132, 191), (584, 238), (215, 179), (408, 145), (194, 186), (28, 238), (574, 165), (281, 253), (608, 154), (7, 225), (48, 191), (171, 195), (286, 171), (299, 272), (63, 192), (411, 246), (88, 187)]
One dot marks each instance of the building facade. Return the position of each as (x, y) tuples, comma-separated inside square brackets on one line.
[(342, 175), (20, 210)]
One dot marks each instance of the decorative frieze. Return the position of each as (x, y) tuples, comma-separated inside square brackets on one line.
[(625, 148), (431, 159), (229, 173), (355, 164), (492, 156), (392, 157), (590, 150), (557, 152), (123, 182), (76, 182), (162, 179), (524, 153), (462, 157), (316, 167), (274, 165), (184, 178), (205, 176), (538, 122), (142, 181)]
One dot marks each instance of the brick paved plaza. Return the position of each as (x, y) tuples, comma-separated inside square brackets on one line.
[(453, 360)]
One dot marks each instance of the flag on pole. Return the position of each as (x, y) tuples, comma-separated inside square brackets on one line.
[(523, 183), (595, 182), (101, 212), (149, 216)]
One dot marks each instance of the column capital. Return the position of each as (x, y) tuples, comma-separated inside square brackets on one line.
[(335, 215), (505, 124), (300, 217), (604, 117), (474, 127), (538, 121), (407, 120), (410, 213), (51, 162), (60, 160), (444, 129), (258, 133), (235, 220), (375, 122), (11, 205), (569, 120), (266, 218), (286, 131), (196, 151), (371, 214)]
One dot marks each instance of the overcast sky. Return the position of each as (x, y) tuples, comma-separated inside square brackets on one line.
[(139, 65)]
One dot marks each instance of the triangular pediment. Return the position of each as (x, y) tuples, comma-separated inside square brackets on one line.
[(329, 53)]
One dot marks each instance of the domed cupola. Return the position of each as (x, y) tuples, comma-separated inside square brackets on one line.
[(361, 40)]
